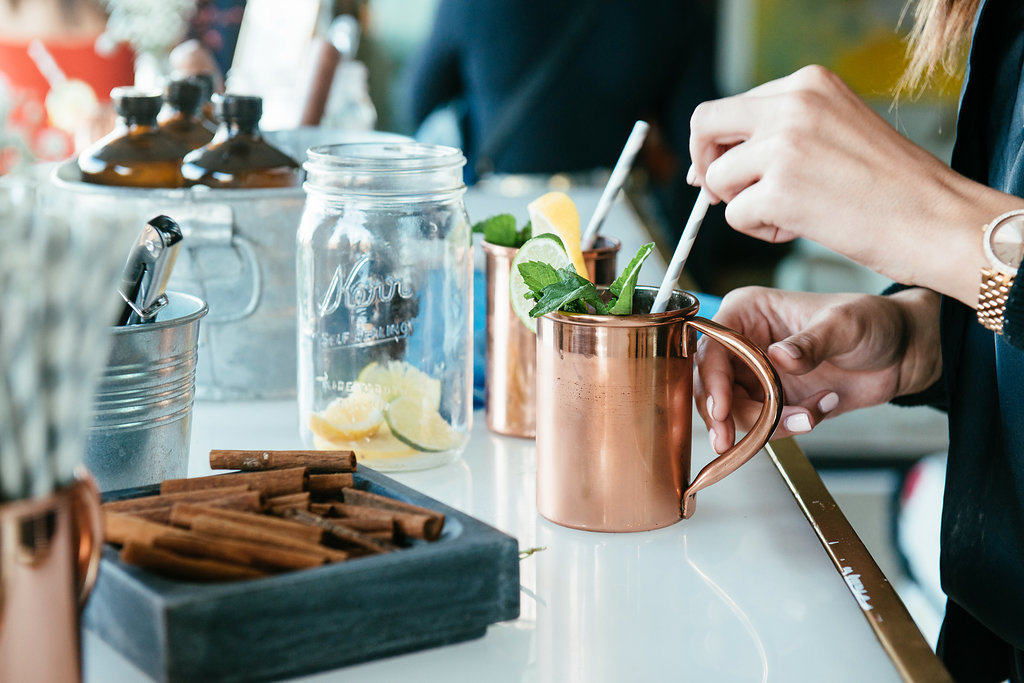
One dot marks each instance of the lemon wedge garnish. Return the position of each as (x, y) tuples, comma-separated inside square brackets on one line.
[(556, 213)]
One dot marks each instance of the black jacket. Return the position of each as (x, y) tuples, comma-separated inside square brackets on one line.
[(982, 531)]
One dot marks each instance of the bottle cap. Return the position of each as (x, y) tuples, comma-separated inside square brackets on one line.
[(244, 109), (185, 96), (206, 83), (137, 106)]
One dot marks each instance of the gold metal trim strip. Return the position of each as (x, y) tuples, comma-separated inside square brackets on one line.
[(881, 606)]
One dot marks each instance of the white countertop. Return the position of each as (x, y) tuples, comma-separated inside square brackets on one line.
[(743, 591)]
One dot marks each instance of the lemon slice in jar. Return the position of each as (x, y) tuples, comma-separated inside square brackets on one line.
[(369, 450), (421, 428), (354, 417)]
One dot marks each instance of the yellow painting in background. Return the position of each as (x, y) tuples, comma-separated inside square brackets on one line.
[(861, 40)]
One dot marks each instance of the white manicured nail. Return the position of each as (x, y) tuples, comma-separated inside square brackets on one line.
[(798, 423), (711, 407), (789, 348), (711, 439), (828, 402)]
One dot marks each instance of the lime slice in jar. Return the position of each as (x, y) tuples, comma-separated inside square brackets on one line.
[(546, 248), (424, 429), (397, 378)]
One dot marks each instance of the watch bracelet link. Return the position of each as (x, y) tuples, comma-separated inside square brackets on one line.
[(995, 290)]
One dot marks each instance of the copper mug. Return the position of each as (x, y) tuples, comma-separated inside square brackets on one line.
[(614, 414), (510, 396), (49, 558)]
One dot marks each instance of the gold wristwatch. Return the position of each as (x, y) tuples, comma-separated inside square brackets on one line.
[(1004, 247)]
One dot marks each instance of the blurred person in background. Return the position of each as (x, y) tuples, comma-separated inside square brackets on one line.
[(803, 156), (55, 78), (556, 87), (214, 27)]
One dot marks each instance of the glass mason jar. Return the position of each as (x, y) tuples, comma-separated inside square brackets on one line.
[(385, 304)]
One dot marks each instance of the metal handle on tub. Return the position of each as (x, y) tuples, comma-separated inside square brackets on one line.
[(208, 227)]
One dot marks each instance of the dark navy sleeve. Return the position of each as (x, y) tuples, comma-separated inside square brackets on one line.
[(1013, 319), (935, 395), (435, 76)]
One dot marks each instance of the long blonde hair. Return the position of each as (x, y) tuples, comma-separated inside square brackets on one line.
[(940, 34)]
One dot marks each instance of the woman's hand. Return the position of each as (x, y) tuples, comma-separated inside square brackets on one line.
[(834, 353), (804, 156)]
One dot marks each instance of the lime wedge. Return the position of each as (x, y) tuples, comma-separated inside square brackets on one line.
[(546, 248), (398, 378), (421, 428)]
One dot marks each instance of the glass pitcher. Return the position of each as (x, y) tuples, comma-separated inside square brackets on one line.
[(385, 304)]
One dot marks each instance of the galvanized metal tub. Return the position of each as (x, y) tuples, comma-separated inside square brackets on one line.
[(238, 255), (142, 408)]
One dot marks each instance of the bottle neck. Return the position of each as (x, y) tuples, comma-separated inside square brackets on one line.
[(234, 128), (134, 124)]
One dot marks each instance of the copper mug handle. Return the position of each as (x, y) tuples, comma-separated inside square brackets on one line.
[(84, 497), (759, 434)]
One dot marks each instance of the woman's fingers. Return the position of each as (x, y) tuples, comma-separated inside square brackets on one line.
[(796, 419)]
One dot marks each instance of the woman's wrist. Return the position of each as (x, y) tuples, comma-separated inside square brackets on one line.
[(951, 257), (921, 366)]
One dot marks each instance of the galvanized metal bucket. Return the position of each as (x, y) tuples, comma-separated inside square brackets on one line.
[(142, 408), (238, 255)]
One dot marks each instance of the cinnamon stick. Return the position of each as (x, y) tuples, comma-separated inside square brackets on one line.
[(365, 524), (292, 501), (262, 556), (218, 526), (322, 509), (121, 528), (245, 501), (270, 482), (354, 496), (320, 462), (329, 485), (343, 533), (165, 499), (184, 514), (173, 564), (411, 524)]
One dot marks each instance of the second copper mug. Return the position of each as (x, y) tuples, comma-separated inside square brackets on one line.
[(511, 356), (614, 409), (49, 559)]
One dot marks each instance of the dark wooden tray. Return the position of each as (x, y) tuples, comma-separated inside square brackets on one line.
[(307, 621)]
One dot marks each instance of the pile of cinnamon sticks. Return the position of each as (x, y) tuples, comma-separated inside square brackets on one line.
[(284, 510)]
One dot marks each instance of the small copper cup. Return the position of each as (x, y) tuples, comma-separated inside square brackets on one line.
[(49, 558), (510, 406), (614, 407)]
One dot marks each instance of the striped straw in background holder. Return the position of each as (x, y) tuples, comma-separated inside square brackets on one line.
[(57, 299)]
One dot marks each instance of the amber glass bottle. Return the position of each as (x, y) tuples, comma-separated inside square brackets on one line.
[(206, 113), (238, 156), (136, 153), (180, 119)]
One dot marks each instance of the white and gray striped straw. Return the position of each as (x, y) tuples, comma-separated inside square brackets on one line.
[(57, 300)]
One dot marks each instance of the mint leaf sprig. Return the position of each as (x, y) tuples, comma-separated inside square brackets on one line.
[(565, 290), (501, 230)]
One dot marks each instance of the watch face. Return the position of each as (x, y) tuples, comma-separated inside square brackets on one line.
[(1007, 242)]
